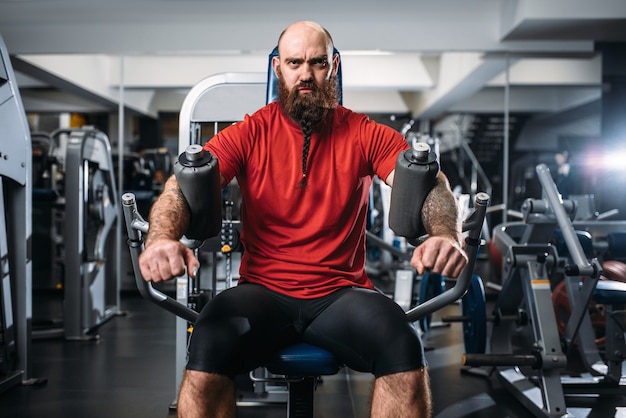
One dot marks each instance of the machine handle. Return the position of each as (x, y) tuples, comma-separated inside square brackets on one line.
[(473, 225), (581, 265), (136, 226)]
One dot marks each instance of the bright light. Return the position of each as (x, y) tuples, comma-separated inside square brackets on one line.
[(615, 160)]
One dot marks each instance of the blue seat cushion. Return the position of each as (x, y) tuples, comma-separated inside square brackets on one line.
[(303, 359), (610, 292), (617, 246), (584, 237)]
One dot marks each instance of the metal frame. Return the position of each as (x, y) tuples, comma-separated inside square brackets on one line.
[(91, 293), (219, 98), (16, 225)]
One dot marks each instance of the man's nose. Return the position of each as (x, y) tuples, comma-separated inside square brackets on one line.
[(306, 72)]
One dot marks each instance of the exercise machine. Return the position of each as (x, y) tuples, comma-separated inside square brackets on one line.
[(298, 365), (214, 101), (15, 232), (91, 210), (539, 366), (82, 206)]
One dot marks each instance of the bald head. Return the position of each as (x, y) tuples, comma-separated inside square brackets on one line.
[(305, 52), (305, 31)]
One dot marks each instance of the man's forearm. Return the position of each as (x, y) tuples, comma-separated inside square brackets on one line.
[(169, 216), (440, 214)]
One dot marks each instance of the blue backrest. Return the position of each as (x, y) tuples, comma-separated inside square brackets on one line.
[(272, 81)]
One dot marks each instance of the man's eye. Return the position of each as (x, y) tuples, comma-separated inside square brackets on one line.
[(321, 63)]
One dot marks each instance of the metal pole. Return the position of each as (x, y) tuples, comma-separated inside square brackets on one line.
[(120, 182), (505, 145)]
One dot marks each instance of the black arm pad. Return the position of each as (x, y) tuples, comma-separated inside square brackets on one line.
[(198, 176), (415, 175)]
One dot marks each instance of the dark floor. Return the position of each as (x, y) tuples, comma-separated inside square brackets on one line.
[(129, 372)]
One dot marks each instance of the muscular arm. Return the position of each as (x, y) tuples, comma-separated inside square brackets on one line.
[(442, 252), (440, 215), (169, 215), (164, 256)]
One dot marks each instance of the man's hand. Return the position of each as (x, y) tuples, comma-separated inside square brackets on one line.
[(441, 255), (164, 259)]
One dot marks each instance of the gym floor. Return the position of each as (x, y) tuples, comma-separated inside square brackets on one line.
[(129, 372)]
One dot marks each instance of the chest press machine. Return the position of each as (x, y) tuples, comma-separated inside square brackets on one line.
[(225, 98)]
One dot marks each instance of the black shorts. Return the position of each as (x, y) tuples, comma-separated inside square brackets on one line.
[(241, 327)]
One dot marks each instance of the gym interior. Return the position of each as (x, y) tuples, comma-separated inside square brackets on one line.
[(522, 103)]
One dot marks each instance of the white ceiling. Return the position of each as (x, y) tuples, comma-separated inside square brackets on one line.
[(426, 58)]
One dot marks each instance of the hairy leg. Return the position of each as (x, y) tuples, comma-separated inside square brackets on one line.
[(205, 395), (405, 394)]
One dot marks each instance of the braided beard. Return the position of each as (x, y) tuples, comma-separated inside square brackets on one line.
[(308, 110)]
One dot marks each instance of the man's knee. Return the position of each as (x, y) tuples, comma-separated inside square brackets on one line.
[(410, 381), (201, 384)]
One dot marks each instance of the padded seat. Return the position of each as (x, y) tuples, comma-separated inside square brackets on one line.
[(303, 359), (610, 292), (617, 246), (45, 195), (584, 237)]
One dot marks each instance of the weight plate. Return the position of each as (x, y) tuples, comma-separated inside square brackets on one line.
[(475, 313), (562, 311), (432, 284)]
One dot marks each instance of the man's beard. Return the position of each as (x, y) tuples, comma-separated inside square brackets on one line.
[(308, 111), (311, 108)]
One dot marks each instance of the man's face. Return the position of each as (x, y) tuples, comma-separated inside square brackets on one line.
[(306, 75), (303, 58)]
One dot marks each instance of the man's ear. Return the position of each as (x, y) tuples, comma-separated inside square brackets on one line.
[(275, 65), (335, 64)]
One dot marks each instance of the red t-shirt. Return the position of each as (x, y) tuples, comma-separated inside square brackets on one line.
[(305, 242)]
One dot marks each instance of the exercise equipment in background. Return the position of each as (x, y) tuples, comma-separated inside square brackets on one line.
[(76, 211), (535, 362), (15, 233)]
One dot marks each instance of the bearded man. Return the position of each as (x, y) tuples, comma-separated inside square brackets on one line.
[(304, 165)]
